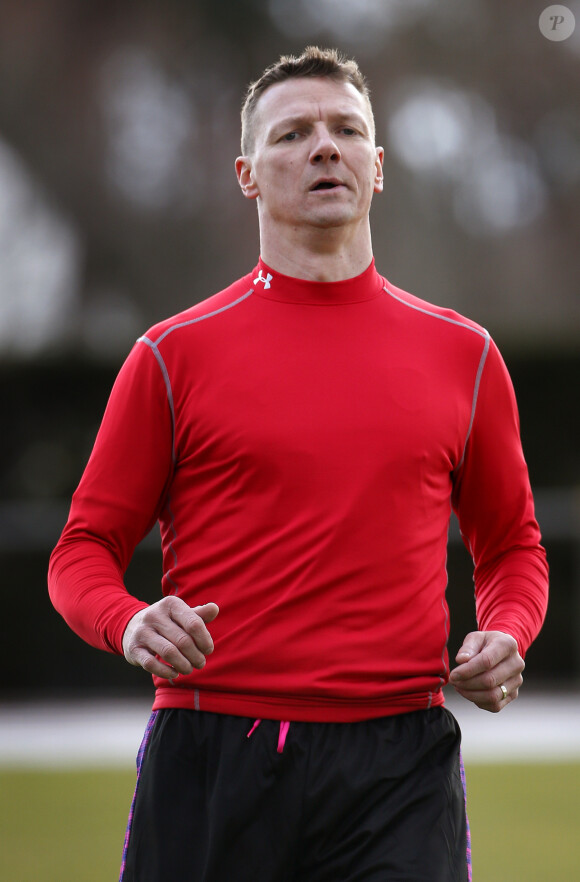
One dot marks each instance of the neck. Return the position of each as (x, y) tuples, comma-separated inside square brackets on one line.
[(318, 255)]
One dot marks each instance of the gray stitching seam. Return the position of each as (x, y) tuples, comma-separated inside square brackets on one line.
[(166, 379), (168, 575), (165, 374), (443, 318), (154, 347), (474, 402), (200, 318), (482, 333)]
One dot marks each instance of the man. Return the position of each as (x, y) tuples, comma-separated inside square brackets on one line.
[(301, 438)]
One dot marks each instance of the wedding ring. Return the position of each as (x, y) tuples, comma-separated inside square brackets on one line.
[(504, 693)]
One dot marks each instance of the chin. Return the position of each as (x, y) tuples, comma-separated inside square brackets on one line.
[(332, 219)]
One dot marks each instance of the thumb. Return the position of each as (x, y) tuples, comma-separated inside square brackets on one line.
[(472, 644), (207, 611)]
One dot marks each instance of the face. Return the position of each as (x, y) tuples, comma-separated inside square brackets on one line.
[(314, 160)]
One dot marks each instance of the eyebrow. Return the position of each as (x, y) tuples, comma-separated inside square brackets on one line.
[(300, 119)]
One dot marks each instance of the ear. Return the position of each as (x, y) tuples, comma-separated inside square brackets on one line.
[(245, 174), (379, 158)]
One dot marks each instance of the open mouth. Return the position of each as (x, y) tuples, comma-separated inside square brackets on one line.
[(326, 185)]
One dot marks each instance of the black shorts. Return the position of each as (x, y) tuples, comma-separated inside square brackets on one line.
[(225, 799)]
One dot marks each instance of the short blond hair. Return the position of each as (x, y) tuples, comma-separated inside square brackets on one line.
[(313, 62)]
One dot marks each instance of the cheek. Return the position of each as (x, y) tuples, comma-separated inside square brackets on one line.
[(282, 178)]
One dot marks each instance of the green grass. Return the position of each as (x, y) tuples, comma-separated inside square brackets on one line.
[(525, 822), (69, 826), (63, 826)]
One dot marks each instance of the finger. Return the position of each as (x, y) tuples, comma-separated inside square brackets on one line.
[(492, 693), (171, 645), (494, 648), (488, 680), (194, 627), (156, 634), (485, 660), (472, 645), (493, 699), (179, 649), (208, 611), (142, 657), (491, 702), (169, 638)]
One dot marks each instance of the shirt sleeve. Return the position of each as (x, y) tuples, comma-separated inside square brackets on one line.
[(115, 505), (493, 500)]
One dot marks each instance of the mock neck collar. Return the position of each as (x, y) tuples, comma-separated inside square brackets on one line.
[(272, 285)]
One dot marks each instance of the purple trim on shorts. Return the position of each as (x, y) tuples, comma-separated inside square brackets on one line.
[(144, 743), (468, 836)]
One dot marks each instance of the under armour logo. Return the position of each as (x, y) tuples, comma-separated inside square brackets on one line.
[(266, 281)]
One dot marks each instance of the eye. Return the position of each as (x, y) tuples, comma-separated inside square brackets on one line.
[(290, 136), (348, 130)]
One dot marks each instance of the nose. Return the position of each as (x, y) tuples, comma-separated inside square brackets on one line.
[(324, 147)]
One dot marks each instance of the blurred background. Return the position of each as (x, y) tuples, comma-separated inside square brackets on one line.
[(119, 126)]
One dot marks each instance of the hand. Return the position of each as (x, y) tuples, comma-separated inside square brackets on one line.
[(486, 661), (169, 637)]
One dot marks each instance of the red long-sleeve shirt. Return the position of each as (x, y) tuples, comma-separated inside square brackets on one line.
[(301, 445)]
